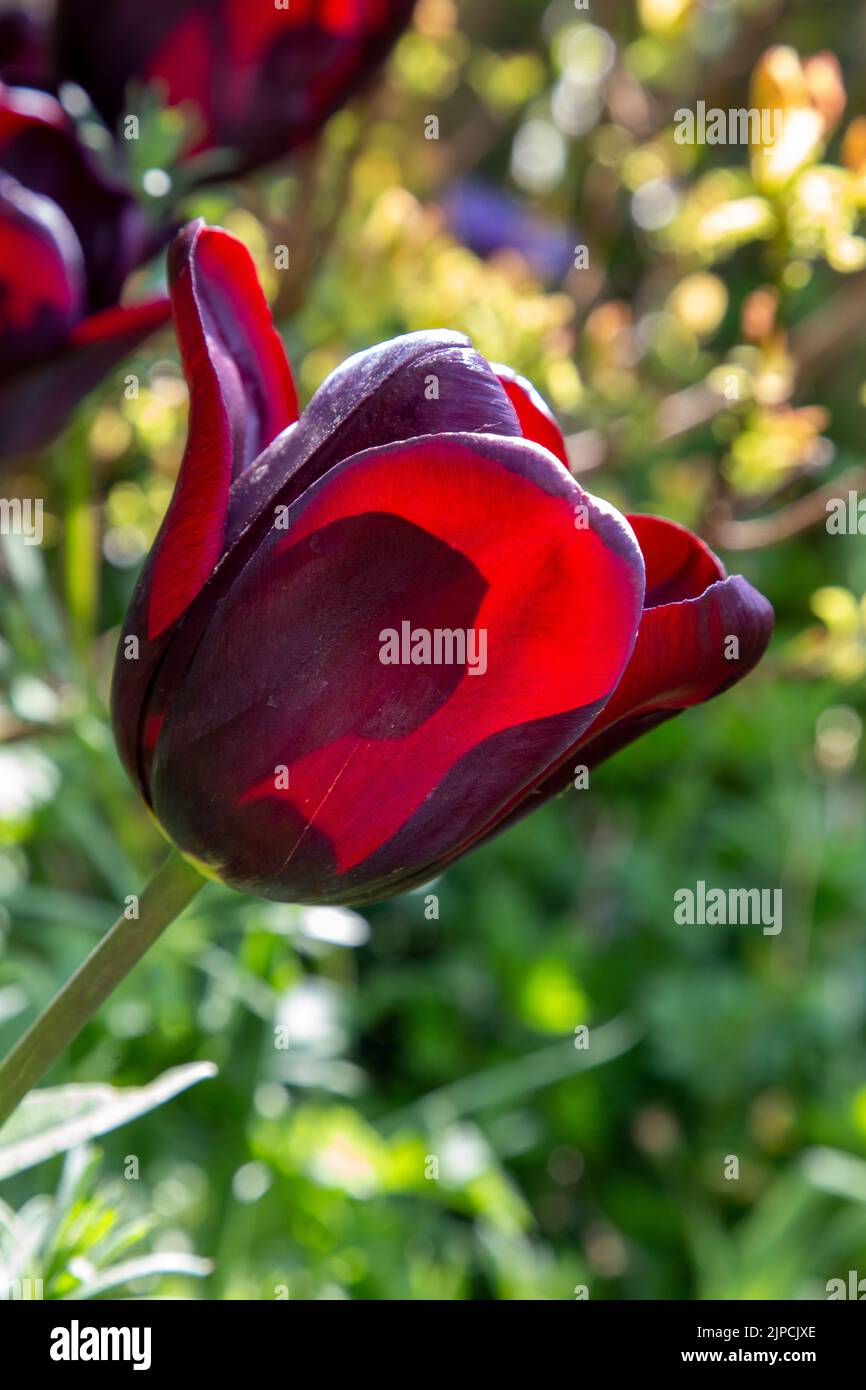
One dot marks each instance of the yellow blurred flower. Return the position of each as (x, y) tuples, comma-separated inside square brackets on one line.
[(731, 224), (699, 302), (838, 648), (759, 313), (110, 434), (854, 146), (719, 214), (664, 16), (854, 157), (810, 97), (774, 444), (823, 213)]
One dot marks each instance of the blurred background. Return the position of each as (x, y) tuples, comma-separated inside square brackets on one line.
[(696, 316)]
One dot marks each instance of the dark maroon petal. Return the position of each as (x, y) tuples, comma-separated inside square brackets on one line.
[(537, 421), (678, 563), (241, 395), (36, 402), (42, 281), (421, 383), (40, 148), (392, 765), (262, 78)]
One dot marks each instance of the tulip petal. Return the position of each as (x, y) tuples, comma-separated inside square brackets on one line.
[(22, 109), (684, 655), (420, 383), (42, 281), (241, 396), (39, 146), (678, 563), (36, 402), (537, 420), (389, 765)]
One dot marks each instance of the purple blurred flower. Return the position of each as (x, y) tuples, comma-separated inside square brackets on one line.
[(487, 220)]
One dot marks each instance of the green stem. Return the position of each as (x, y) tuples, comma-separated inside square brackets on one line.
[(172, 887), (81, 529)]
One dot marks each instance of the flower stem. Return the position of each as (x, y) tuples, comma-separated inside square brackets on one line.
[(172, 887)]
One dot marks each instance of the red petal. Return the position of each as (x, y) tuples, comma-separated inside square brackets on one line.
[(685, 653), (40, 146), (122, 322), (678, 564), (537, 420), (22, 108), (36, 402), (241, 396), (679, 658), (43, 287)]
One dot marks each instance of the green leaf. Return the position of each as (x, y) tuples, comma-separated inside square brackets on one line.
[(58, 1118), (146, 1267)]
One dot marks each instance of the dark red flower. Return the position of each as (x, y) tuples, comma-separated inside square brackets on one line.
[(68, 238), (366, 637), (263, 77)]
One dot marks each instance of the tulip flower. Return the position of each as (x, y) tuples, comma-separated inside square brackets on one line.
[(422, 491), (369, 637), (68, 238), (261, 77)]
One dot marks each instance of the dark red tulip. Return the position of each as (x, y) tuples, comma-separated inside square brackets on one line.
[(262, 77), (277, 694), (68, 238)]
